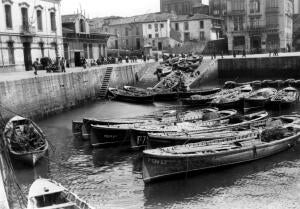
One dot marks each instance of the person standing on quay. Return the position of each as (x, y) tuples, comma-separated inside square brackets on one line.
[(63, 65), (244, 52), (35, 66)]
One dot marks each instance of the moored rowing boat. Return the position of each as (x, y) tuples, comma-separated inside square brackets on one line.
[(172, 161)]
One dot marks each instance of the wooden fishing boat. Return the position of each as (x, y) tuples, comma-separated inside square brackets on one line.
[(285, 97), (25, 141), (199, 100), (136, 89), (108, 135), (139, 135), (233, 100), (126, 96), (88, 122), (260, 97), (182, 160), (164, 139), (174, 95), (48, 194)]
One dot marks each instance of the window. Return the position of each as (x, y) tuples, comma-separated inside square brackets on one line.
[(11, 53), (177, 26), (41, 44), (66, 51), (85, 50), (82, 25), (91, 51), (254, 6), (127, 43), (150, 35), (156, 35), (162, 25), (238, 23), (137, 32), (126, 31), (53, 21), (186, 26), (156, 27), (201, 24), (238, 5), (39, 20), (153, 43), (272, 3), (8, 16), (202, 35), (272, 20), (25, 23), (149, 26), (254, 22)]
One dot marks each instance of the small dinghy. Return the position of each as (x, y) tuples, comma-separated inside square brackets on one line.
[(48, 194), (182, 160), (25, 140), (127, 96)]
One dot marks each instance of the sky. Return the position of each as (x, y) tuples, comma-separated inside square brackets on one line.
[(102, 8)]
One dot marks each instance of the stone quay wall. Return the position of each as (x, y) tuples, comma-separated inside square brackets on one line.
[(39, 97), (284, 67)]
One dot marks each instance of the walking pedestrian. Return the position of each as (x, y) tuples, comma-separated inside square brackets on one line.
[(35, 66)]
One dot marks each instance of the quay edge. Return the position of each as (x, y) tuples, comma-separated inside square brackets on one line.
[(45, 95)]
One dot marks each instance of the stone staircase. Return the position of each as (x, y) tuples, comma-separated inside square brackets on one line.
[(105, 83)]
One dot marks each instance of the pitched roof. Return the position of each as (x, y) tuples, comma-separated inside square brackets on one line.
[(151, 17)]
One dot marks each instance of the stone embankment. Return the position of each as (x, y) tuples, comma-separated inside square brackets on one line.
[(282, 67), (47, 94)]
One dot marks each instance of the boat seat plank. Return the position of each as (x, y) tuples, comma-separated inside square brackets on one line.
[(65, 205)]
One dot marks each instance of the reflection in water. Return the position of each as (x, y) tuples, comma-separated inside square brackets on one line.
[(111, 178)]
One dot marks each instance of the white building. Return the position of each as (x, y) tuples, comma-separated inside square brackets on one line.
[(198, 27), (29, 29)]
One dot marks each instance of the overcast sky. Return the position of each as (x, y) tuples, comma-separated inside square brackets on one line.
[(102, 8)]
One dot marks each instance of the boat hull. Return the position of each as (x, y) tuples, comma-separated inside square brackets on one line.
[(134, 99), (106, 136), (30, 159), (169, 96), (159, 167)]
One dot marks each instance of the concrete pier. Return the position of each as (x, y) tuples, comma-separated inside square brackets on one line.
[(46, 94)]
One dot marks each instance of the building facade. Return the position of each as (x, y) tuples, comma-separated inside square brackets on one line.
[(296, 6), (28, 30), (259, 25), (80, 42), (184, 7), (197, 28)]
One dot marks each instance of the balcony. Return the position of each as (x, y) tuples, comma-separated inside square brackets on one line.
[(27, 30), (272, 10), (236, 12)]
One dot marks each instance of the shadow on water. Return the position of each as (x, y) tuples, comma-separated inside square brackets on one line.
[(209, 183)]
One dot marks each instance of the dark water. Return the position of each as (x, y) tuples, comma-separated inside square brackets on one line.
[(111, 178)]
